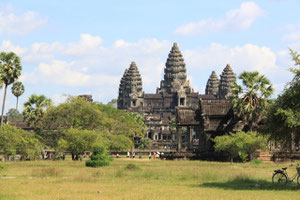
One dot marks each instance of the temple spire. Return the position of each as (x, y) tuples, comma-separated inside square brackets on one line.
[(212, 86), (175, 71), (227, 80)]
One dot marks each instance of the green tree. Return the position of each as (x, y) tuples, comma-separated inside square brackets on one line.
[(17, 141), (283, 122), (144, 143), (120, 143), (17, 89), (14, 115), (77, 141), (239, 144), (99, 157), (251, 100), (10, 70), (34, 110)]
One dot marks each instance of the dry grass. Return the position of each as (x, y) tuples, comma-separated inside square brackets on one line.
[(154, 179)]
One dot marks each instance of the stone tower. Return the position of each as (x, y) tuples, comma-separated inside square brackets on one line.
[(122, 90), (130, 88), (212, 86), (226, 82), (175, 72)]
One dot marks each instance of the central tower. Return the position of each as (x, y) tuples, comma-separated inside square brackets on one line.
[(175, 73)]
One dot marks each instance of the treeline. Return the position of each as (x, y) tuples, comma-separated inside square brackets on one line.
[(77, 125)]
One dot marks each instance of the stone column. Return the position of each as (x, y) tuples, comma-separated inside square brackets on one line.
[(190, 137), (179, 138)]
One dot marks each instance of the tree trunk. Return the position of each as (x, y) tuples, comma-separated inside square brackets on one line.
[(3, 104), (17, 103)]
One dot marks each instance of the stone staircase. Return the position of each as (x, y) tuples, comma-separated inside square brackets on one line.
[(264, 156)]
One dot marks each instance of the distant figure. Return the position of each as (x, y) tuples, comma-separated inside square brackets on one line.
[(140, 155), (150, 155), (84, 155), (112, 155), (133, 155), (91, 153), (154, 155), (128, 154), (157, 154), (117, 155), (63, 156)]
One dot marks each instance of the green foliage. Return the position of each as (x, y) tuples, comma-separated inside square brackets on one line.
[(256, 162), (172, 125), (120, 122), (145, 142), (120, 143), (14, 115), (251, 100), (283, 122), (34, 110), (98, 158), (114, 128), (10, 67), (132, 166), (10, 70), (76, 113), (16, 141), (239, 144), (77, 141), (17, 89)]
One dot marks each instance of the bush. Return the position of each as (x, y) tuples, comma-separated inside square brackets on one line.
[(99, 158), (97, 163), (240, 144), (132, 166)]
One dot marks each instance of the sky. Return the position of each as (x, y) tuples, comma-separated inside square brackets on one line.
[(83, 47)]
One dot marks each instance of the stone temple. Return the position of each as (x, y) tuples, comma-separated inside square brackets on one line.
[(197, 117)]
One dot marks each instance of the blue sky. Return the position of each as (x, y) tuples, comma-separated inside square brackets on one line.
[(83, 47)]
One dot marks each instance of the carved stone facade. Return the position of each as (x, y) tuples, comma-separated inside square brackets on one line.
[(201, 115)]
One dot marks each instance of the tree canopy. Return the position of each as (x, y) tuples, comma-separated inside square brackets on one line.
[(283, 122), (250, 100), (10, 70)]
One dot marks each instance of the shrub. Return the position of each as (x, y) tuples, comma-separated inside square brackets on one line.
[(132, 166), (99, 157), (97, 163)]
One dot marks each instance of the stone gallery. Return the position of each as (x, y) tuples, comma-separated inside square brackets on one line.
[(197, 117)]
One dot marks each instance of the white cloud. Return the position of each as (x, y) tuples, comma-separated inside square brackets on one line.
[(292, 33), (9, 46), (234, 20), (19, 24)]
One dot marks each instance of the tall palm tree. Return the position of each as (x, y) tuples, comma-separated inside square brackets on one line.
[(10, 70), (250, 100), (17, 89), (34, 109)]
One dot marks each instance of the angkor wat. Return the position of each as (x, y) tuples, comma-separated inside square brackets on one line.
[(202, 115)]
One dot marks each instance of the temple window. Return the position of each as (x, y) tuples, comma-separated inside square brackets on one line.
[(182, 100)]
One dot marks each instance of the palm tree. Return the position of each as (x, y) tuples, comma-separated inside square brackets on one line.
[(34, 109), (250, 100), (10, 70), (17, 89)]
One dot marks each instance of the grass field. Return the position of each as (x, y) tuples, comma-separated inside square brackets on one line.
[(154, 179)]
